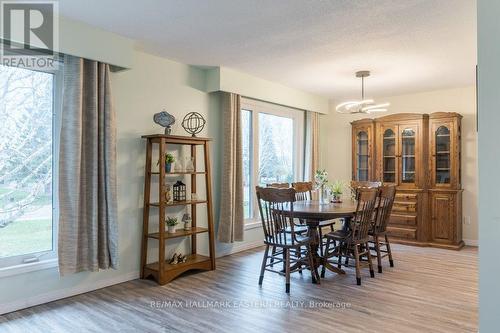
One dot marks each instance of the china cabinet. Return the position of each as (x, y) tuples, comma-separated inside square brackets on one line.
[(420, 154)]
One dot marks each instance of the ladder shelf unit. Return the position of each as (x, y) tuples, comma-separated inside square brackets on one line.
[(162, 271)]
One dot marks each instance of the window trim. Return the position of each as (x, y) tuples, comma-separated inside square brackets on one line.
[(29, 262), (298, 117)]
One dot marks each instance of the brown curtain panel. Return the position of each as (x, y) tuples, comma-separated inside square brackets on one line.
[(88, 233), (231, 225)]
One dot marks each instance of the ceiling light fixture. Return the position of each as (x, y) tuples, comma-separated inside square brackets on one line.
[(364, 105)]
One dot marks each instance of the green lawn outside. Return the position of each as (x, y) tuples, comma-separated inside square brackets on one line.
[(41, 200), (25, 236)]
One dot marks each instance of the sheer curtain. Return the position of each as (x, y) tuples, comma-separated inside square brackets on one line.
[(88, 232), (231, 224)]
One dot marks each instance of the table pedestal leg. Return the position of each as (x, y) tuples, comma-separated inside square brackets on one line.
[(315, 244)]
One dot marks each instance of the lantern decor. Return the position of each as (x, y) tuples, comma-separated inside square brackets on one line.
[(179, 191), (193, 123)]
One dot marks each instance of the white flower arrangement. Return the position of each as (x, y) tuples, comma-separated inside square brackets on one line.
[(320, 178)]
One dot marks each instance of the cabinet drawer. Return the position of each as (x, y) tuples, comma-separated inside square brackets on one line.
[(402, 232), (401, 219), (412, 197), (404, 207)]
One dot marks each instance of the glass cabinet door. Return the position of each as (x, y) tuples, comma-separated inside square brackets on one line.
[(408, 155), (389, 156), (442, 155), (362, 156)]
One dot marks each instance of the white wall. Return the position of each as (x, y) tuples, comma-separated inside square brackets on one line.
[(489, 163), (335, 140), (225, 79), (153, 84)]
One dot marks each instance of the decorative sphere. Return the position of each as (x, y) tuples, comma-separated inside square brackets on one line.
[(193, 123)]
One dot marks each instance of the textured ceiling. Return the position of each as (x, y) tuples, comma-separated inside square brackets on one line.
[(313, 45)]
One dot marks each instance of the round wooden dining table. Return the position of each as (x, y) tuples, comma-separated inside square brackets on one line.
[(314, 212)]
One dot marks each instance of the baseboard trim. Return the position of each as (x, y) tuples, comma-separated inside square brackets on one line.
[(76, 290), (64, 293), (471, 242), (240, 247)]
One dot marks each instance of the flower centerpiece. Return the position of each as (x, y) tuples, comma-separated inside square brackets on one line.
[(320, 180)]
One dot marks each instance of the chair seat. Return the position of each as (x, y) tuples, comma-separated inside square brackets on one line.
[(297, 229), (300, 240), (327, 223), (338, 234)]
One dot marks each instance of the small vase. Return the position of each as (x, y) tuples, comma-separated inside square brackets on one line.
[(171, 229), (178, 167), (168, 167), (189, 164), (187, 225)]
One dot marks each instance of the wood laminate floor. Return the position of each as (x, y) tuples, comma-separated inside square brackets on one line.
[(429, 290)]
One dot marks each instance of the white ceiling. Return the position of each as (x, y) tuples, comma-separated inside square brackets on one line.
[(313, 45)]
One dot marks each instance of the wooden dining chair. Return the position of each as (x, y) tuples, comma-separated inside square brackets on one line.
[(303, 190), (378, 231), (278, 185), (275, 220), (356, 184), (353, 241)]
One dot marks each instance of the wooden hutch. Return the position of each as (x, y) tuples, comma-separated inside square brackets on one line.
[(420, 154)]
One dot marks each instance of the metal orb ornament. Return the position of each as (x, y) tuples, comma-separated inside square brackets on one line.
[(164, 119), (193, 123)]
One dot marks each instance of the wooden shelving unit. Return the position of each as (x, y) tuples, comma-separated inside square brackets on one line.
[(161, 271)]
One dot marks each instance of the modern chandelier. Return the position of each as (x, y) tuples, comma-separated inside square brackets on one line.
[(364, 105)]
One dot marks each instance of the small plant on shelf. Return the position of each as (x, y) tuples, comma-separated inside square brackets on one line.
[(169, 160), (171, 224)]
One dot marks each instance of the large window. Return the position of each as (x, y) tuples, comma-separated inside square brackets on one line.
[(27, 225), (273, 148)]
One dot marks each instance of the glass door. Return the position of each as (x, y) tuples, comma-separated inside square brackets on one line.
[(389, 158), (442, 167), (408, 139), (441, 154), (362, 156)]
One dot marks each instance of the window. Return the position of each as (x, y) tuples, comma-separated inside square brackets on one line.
[(27, 225), (273, 148)]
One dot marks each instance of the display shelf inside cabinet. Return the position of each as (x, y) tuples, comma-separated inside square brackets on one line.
[(161, 270)]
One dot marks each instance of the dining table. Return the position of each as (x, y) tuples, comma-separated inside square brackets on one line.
[(313, 212)]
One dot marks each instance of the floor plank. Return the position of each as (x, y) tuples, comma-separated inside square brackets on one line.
[(428, 290)]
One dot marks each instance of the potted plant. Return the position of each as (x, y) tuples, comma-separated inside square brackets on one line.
[(337, 189), (171, 223), (169, 160)]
